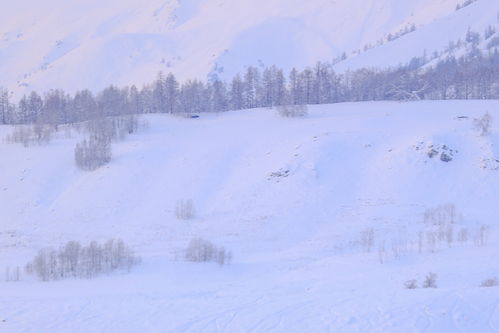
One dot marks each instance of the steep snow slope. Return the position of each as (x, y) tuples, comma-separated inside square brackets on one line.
[(432, 37), (298, 263), (91, 44)]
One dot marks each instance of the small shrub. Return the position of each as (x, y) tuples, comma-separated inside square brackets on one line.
[(184, 209), (430, 280), (483, 124), (200, 250), (492, 282), (92, 153), (411, 284), (292, 111)]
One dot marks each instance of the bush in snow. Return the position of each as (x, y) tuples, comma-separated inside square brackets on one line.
[(184, 209), (492, 282), (200, 250), (430, 280), (292, 111), (74, 260), (92, 153), (411, 284), (483, 124)]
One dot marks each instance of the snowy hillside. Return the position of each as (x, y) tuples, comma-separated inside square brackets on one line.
[(70, 45), (297, 201)]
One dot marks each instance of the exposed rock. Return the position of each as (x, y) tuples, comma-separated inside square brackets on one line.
[(432, 153), (444, 157), (444, 153), (280, 173)]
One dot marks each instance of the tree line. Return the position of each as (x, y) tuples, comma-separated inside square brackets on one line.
[(474, 75)]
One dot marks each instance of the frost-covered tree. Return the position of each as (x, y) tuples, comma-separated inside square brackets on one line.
[(251, 87), (84, 106), (35, 106), (306, 80), (56, 109), (4, 106), (112, 101), (236, 94), (193, 98), (294, 87), (219, 98), (171, 93), (159, 94)]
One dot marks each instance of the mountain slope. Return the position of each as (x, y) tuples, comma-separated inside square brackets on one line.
[(299, 260), (71, 45), (341, 154)]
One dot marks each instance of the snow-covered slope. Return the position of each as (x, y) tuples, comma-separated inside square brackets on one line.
[(430, 38), (299, 264), (91, 44)]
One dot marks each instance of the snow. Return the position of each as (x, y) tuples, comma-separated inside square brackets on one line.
[(298, 265), (70, 45)]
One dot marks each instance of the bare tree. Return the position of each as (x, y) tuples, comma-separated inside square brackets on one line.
[(367, 238), (184, 209), (430, 280)]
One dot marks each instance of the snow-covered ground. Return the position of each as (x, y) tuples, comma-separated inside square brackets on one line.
[(90, 44), (291, 198)]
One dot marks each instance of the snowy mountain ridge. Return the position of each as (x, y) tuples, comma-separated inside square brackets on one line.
[(71, 45)]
